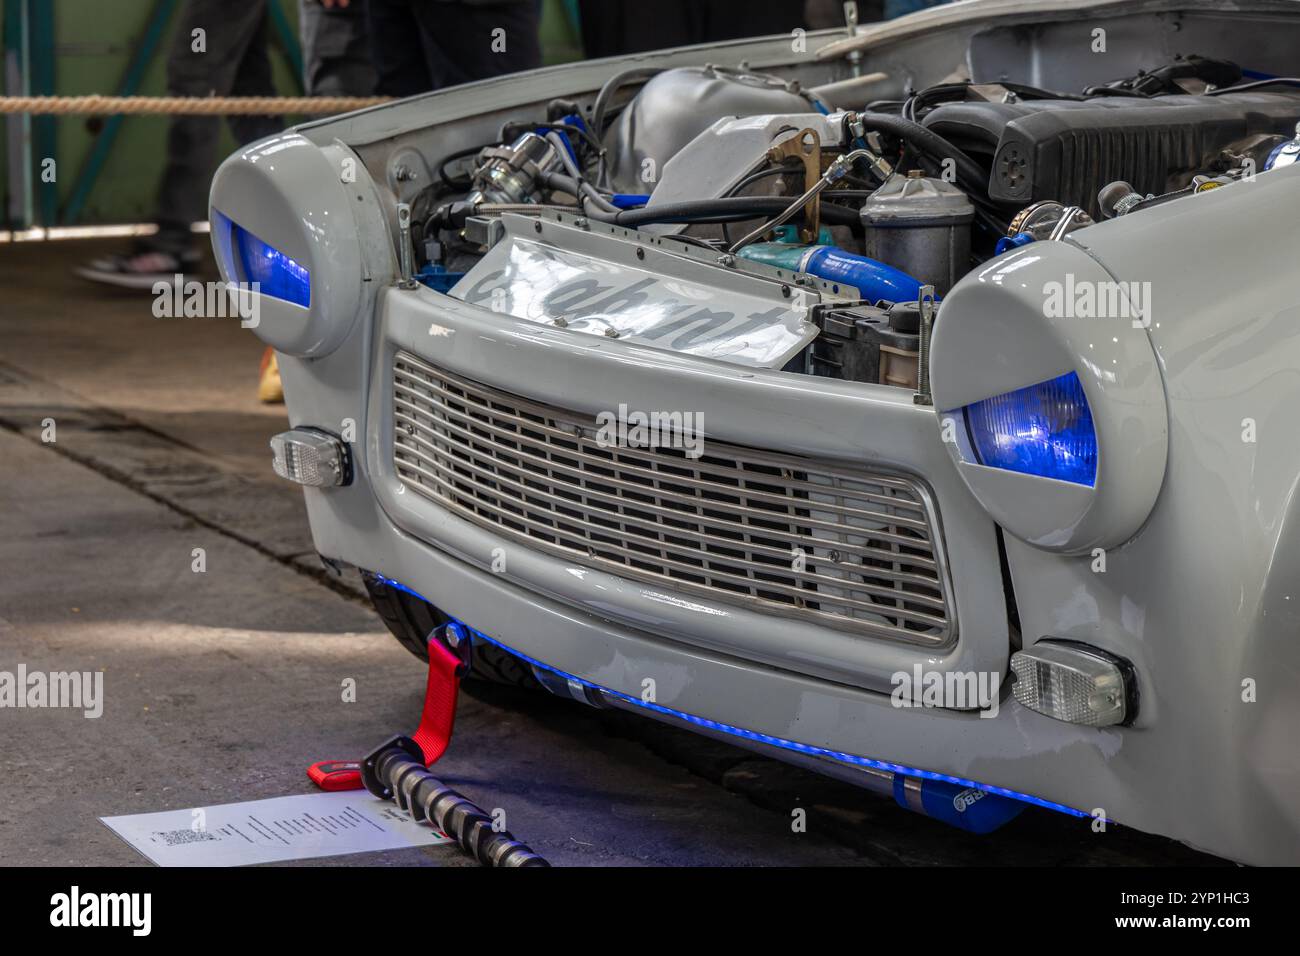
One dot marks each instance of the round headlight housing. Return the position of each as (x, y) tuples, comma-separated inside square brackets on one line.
[(281, 218), (1046, 382)]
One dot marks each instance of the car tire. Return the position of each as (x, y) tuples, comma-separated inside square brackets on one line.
[(410, 620)]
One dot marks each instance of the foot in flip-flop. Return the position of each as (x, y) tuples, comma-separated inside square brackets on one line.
[(138, 270)]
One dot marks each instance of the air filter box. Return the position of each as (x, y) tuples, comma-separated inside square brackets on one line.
[(1068, 149)]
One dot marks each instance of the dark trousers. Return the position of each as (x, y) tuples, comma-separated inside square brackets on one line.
[(615, 27), (234, 62), (422, 45), (335, 49)]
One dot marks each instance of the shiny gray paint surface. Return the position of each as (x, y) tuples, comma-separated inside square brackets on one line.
[(675, 108), (726, 152)]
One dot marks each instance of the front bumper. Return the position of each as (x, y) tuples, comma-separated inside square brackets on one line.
[(733, 667), (749, 407)]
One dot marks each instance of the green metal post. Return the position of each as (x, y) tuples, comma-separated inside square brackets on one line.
[(155, 30), (18, 127), (45, 129), (288, 40)]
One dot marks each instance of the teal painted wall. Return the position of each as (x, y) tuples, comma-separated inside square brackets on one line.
[(94, 41), (93, 44)]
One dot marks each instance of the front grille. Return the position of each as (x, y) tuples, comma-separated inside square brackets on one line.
[(851, 549)]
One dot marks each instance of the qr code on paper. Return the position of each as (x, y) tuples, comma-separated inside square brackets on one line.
[(180, 837)]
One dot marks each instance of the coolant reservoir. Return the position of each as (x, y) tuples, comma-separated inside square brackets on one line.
[(921, 226)]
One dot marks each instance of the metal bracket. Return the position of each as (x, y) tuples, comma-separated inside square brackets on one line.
[(454, 636), (405, 254), (805, 146), (851, 28), (925, 301)]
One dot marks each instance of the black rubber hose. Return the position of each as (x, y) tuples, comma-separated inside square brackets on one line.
[(763, 174), (735, 209), (451, 158), (930, 142), (732, 209), (577, 188), (611, 87), (1256, 85)]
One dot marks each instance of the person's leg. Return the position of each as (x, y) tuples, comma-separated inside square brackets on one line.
[(206, 65), (465, 41), (335, 49), (207, 53), (253, 78), (602, 28), (400, 65), (735, 19), (615, 27)]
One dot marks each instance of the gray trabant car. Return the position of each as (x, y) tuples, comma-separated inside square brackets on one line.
[(912, 402)]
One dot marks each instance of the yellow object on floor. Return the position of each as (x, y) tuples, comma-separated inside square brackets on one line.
[(269, 389)]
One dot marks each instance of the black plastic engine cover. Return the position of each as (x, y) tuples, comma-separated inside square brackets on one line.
[(1068, 149)]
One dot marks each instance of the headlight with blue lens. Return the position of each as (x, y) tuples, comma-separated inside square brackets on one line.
[(1074, 460), (282, 218), (1044, 429), (277, 274)]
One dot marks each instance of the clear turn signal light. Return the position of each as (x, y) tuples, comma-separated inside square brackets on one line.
[(310, 457), (1075, 683)]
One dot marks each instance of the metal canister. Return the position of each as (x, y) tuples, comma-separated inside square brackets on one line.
[(920, 225), (508, 174)]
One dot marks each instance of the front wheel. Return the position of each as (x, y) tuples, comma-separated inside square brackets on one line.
[(411, 620)]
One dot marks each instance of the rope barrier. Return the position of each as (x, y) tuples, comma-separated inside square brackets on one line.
[(186, 105)]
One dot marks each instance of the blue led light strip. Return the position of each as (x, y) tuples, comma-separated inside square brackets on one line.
[(741, 732)]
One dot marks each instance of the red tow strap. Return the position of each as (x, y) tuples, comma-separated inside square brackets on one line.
[(439, 715), (433, 735)]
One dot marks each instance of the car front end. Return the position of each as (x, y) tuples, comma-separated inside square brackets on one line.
[(1064, 493)]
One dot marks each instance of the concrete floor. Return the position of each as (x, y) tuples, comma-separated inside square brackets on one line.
[(224, 685)]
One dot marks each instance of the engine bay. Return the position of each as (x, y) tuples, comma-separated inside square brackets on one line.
[(740, 216)]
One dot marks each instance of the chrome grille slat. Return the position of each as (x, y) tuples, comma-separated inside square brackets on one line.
[(767, 585), (726, 524), (463, 441), (410, 403), (726, 474), (673, 558), (626, 521)]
